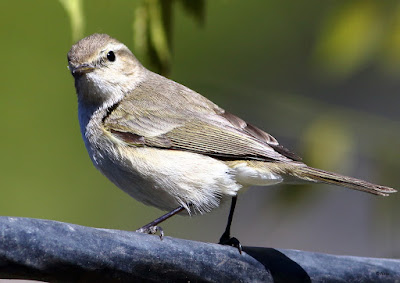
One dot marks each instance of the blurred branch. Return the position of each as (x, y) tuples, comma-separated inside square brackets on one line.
[(74, 9), (152, 30), (152, 33), (55, 251)]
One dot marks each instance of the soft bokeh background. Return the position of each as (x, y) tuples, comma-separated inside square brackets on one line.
[(323, 77)]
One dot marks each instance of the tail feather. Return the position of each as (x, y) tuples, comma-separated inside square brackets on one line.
[(317, 175)]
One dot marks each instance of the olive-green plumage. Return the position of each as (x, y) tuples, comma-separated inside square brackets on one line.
[(167, 145)]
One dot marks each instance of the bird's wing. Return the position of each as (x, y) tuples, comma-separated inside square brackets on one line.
[(197, 126)]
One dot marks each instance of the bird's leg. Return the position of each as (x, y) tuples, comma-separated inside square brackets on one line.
[(152, 227), (226, 238)]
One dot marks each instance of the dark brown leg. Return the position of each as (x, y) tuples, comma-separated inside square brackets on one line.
[(152, 227), (226, 238)]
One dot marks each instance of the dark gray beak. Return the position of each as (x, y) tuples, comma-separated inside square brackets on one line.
[(79, 70)]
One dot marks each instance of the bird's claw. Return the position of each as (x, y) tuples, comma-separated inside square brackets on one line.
[(152, 230), (226, 240)]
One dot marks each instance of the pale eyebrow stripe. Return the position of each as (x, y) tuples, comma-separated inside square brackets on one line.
[(123, 52)]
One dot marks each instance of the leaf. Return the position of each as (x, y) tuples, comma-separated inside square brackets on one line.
[(152, 29), (349, 37), (152, 34), (74, 9), (197, 8), (159, 19)]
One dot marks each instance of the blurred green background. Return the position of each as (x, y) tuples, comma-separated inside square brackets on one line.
[(323, 77)]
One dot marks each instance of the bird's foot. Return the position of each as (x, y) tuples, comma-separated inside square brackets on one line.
[(152, 230), (227, 240)]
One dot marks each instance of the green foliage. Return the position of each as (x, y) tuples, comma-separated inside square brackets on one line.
[(354, 34), (74, 9), (152, 30), (152, 33)]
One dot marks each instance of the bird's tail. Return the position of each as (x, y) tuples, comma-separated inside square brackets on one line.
[(317, 175)]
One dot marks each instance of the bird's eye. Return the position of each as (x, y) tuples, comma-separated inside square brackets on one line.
[(111, 56)]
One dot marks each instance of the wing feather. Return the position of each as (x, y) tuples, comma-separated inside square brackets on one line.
[(175, 117)]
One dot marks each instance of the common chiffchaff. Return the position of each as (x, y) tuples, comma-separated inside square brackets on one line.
[(168, 146)]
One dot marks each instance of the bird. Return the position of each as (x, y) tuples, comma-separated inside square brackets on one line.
[(168, 146)]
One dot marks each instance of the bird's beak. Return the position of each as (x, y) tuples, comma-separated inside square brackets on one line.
[(80, 69)]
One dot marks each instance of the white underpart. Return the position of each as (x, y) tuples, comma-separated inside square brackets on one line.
[(250, 176), (183, 178)]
